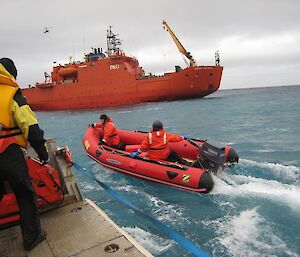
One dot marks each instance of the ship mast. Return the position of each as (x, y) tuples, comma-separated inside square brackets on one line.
[(217, 58), (113, 42)]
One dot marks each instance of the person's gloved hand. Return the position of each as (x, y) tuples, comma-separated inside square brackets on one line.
[(186, 137), (43, 155), (135, 154)]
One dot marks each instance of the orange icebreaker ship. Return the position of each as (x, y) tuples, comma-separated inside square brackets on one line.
[(112, 78)]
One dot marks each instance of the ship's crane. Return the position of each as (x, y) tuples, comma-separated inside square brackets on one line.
[(179, 45)]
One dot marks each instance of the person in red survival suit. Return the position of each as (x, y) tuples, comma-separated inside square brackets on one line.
[(156, 143), (111, 136), (18, 124)]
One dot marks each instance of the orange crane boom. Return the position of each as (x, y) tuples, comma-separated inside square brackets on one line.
[(179, 45)]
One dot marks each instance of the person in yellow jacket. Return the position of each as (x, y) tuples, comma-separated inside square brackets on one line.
[(18, 124)]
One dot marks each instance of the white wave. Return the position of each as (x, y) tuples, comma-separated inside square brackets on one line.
[(154, 108), (106, 175), (247, 234), (239, 185), (285, 171), (165, 211), (121, 184), (277, 129), (161, 210), (127, 188), (155, 244), (265, 151), (229, 143), (89, 187), (127, 111)]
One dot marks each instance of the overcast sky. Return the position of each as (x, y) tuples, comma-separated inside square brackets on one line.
[(258, 40)]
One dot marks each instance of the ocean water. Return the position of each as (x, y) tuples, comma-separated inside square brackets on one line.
[(254, 209)]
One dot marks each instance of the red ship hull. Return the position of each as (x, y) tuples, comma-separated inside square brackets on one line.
[(112, 78), (102, 87)]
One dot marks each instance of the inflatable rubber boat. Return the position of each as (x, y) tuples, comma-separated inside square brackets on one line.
[(205, 157)]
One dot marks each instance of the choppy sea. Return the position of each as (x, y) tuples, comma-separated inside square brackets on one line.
[(254, 208)]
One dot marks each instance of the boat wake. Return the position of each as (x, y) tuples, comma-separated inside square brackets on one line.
[(238, 185), (249, 234), (288, 172)]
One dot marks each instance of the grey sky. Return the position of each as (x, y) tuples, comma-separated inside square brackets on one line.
[(258, 40)]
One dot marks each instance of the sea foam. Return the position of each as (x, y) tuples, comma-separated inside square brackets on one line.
[(157, 245), (241, 185), (279, 170), (248, 234)]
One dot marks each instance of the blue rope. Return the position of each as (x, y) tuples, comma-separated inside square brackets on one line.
[(188, 245)]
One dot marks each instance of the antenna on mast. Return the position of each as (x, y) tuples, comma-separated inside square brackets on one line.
[(217, 58), (113, 42)]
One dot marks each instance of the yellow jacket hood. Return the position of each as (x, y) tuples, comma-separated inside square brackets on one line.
[(6, 78)]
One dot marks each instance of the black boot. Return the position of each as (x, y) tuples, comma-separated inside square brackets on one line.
[(30, 245)]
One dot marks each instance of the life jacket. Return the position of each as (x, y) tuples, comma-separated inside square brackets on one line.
[(111, 135), (156, 143), (10, 133)]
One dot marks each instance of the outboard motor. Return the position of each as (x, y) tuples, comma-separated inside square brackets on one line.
[(213, 156)]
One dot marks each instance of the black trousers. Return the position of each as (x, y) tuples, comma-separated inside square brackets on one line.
[(14, 170), (175, 157)]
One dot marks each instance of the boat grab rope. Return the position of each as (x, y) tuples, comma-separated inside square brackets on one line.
[(188, 245), (172, 165)]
